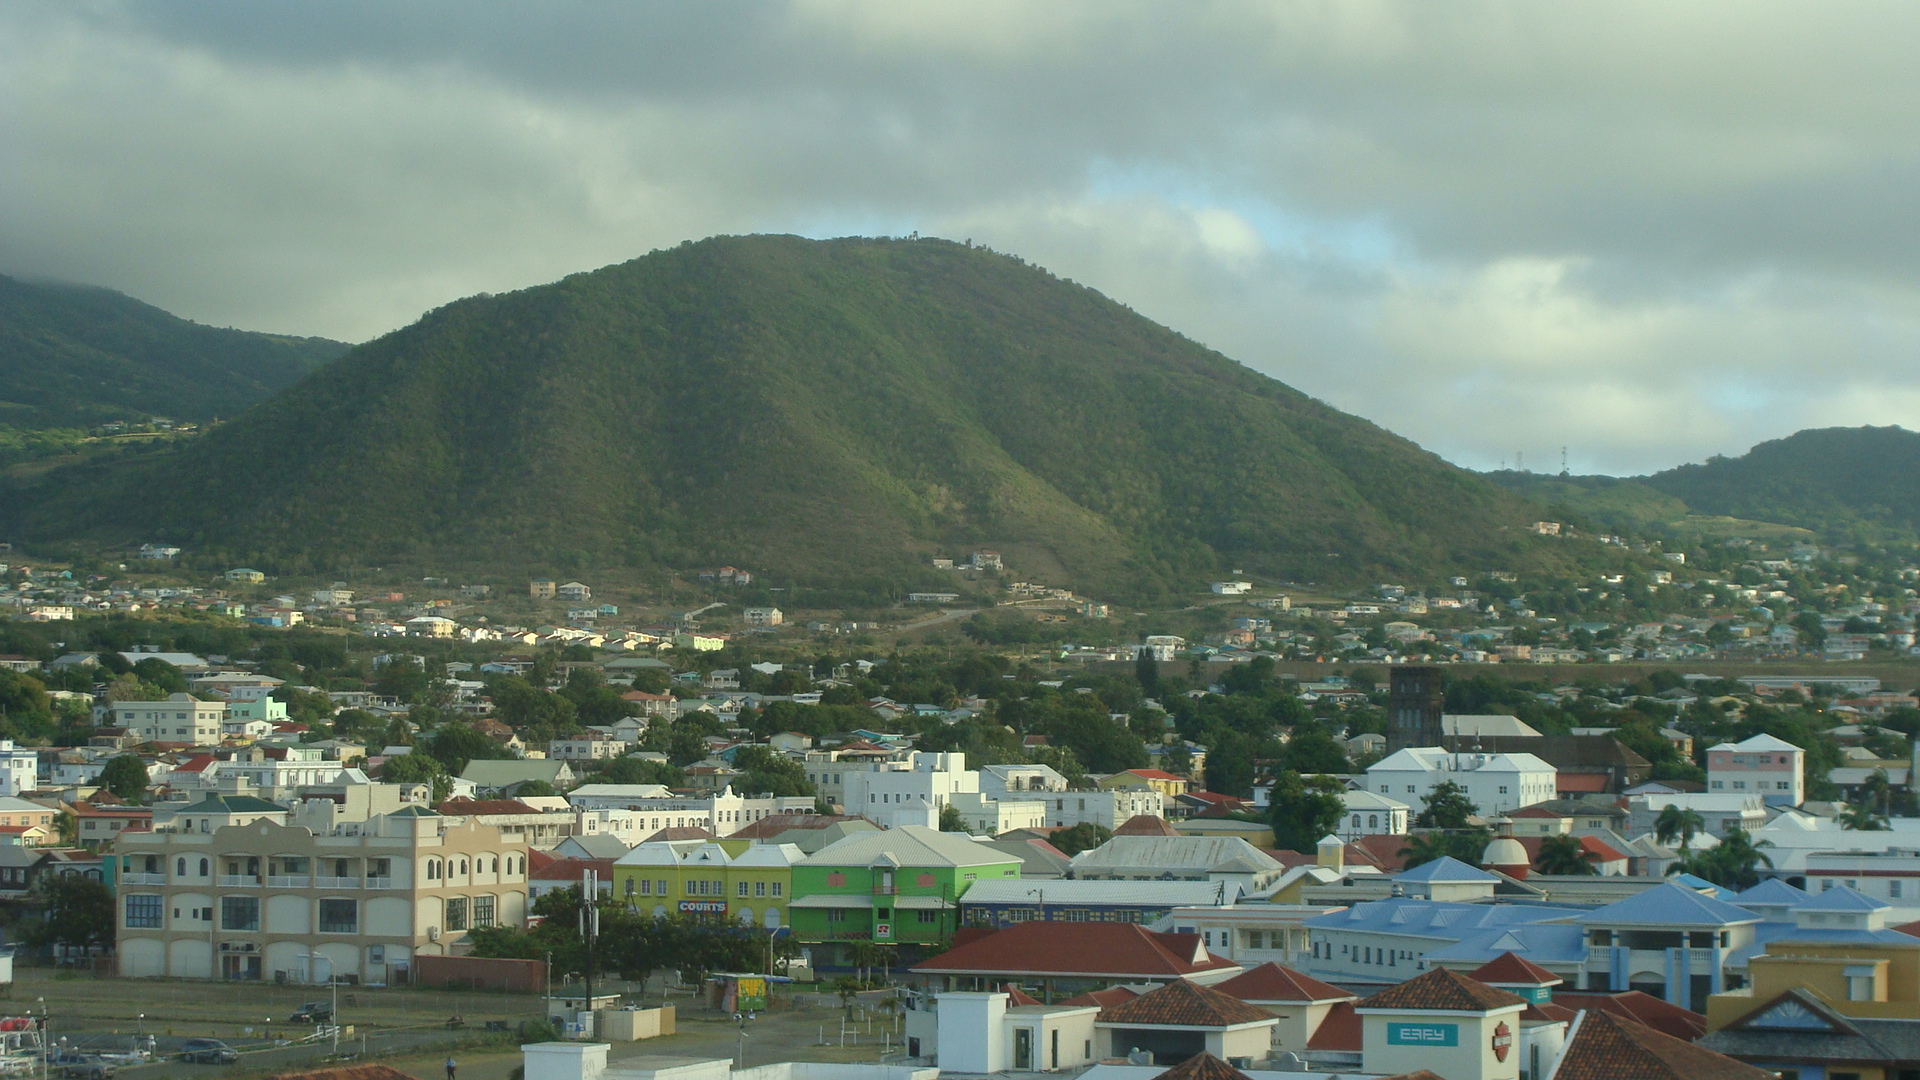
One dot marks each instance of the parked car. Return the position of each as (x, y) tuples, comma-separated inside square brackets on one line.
[(313, 1012), (81, 1066), (208, 1052)]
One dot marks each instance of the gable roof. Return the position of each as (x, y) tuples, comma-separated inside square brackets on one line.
[(1341, 1030), (1271, 982), (1603, 1046), (1145, 825), (909, 845), (1772, 891), (1445, 869), (1841, 898), (1117, 950), (1640, 1007), (1515, 970), (1670, 904), (1112, 995), (1181, 1003), (1442, 988)]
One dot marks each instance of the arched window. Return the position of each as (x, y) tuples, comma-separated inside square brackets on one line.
[(496, 864), (180, 866), (203, 868), (463, 868)]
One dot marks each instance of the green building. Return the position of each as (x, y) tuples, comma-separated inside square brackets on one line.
[(896, 887)]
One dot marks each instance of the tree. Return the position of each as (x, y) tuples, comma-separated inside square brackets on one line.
[(1082, 837), (454, 745), (1146, 671), (1862, 819), (1564, 855), (1447, 807), (951, 821), (1303, 811), (417, 769), (1675, 821), (766, 771), (1466, 845), (639, 770), (78, 912), (126, 777), (1229, 765), (533, 789), (1734, 864)]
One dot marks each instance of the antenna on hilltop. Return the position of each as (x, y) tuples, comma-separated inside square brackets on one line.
[(1563, 461), (1519, 461)]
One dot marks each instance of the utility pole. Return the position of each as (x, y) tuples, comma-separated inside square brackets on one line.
[(589, 930)]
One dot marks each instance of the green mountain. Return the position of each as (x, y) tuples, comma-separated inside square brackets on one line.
[(74, 356), (1843, 485), (824, 410)]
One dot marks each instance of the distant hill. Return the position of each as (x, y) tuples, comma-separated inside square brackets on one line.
[(827, 410), (1843, 485), (74, 356)]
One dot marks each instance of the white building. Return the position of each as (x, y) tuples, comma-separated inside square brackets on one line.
[(655, 808), (1370, 814), (1494, 783), (1163, 647), (19, 769), (1773, 768), (1108, 809), (987, 816), (764, 616), (1722, 811), (895, 793), (179, 719), (1231, 588)]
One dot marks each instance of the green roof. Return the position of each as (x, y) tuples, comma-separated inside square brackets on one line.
[(234, 804)]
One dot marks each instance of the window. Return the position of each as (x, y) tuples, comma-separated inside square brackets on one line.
[(660, 887), (776, 888), (835, 914), (646, 887), (926, 916), (740, 888), (456, 913), (482, 911), (1893, 888), (760, 888), (239, 913), (339, 917), (143, 912), (203, 868), (180, 866), (1503, 789)]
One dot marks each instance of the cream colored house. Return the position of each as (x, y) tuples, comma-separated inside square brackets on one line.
[(254, 900)]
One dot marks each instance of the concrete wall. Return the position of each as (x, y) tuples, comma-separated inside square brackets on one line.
[(1469, 1057), (564, 1061), (632, 1025), (516, 976), (972, 1033)]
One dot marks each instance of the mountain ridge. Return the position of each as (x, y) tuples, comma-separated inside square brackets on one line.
[(842, 407)]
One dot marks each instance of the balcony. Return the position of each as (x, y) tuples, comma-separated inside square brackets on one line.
[(289, 881), (886, 890), (239, 881), (381, 883), (337, 882), (143, 879)]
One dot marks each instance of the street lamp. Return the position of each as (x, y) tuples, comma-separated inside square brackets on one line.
[(333, 987), (740, 1051)]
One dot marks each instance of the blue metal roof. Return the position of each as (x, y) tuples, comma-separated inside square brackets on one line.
[(1772, 891), (1700, 884), (1418, 917), (1667, 904), (1542, 943), (1445, 869), (1841, 898)]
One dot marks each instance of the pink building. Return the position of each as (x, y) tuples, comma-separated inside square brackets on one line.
[(1766, 766)]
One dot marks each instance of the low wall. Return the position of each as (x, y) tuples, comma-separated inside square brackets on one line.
[(632, 1025), (480, 973)]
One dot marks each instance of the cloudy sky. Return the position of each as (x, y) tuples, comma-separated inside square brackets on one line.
[(1647, 232)]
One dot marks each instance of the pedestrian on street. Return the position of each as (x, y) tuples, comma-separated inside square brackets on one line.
[(449, 1067)]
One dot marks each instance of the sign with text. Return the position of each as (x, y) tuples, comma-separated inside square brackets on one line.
[(1423, 1034), (703, 907)]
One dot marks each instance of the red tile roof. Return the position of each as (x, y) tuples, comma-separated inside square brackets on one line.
[(1271, 982), (1017, 996), (568, 870), (1508, 968), (1383, 849), (1339, 1031), (1184, 1004), (1112, 995), (1583, 782), (1663, 1016), (1145, 825), (1067, 949), (1203, 1066), (197, 763), (1548, 1011), (1607, 1047), (1442, 989), (1912, 928)]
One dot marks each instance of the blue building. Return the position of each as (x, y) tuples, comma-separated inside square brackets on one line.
[(1004, 903)]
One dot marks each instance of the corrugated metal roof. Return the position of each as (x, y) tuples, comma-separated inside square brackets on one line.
[(1096, 891)]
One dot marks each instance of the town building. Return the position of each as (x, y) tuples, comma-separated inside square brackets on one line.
[(899, 886), (675, 877), (1004, 902), (258, 899), (179, 719), (1494, 783), (1416, 703), (1771, 767)]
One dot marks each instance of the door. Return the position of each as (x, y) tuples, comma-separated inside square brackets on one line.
[(1023, 1049)]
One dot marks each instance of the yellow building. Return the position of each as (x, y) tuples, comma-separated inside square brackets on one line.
[(748, 884), (1838, 997), (1159, 780)]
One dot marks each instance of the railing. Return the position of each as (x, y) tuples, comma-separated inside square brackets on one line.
[(239, 881), (886, 890), (289, 881), (337, 882), (143, 879), (380, 883)]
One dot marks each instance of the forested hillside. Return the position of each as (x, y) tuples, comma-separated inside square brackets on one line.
[(822, 409)]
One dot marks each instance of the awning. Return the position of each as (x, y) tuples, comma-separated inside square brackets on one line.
[(918, 903), (832, 902)]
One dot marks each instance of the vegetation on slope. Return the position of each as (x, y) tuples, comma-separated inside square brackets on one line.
[(825, 410), (73, 356)]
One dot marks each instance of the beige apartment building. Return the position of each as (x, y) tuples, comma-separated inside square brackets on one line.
[(179, 719), (267, 900)]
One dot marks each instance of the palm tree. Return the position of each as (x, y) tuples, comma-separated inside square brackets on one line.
[(1734, 864), (1862, 819), (1423, 848), (1564, 855), (1677, 821)]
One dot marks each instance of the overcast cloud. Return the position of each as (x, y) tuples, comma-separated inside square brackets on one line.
[(1648, 232)]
